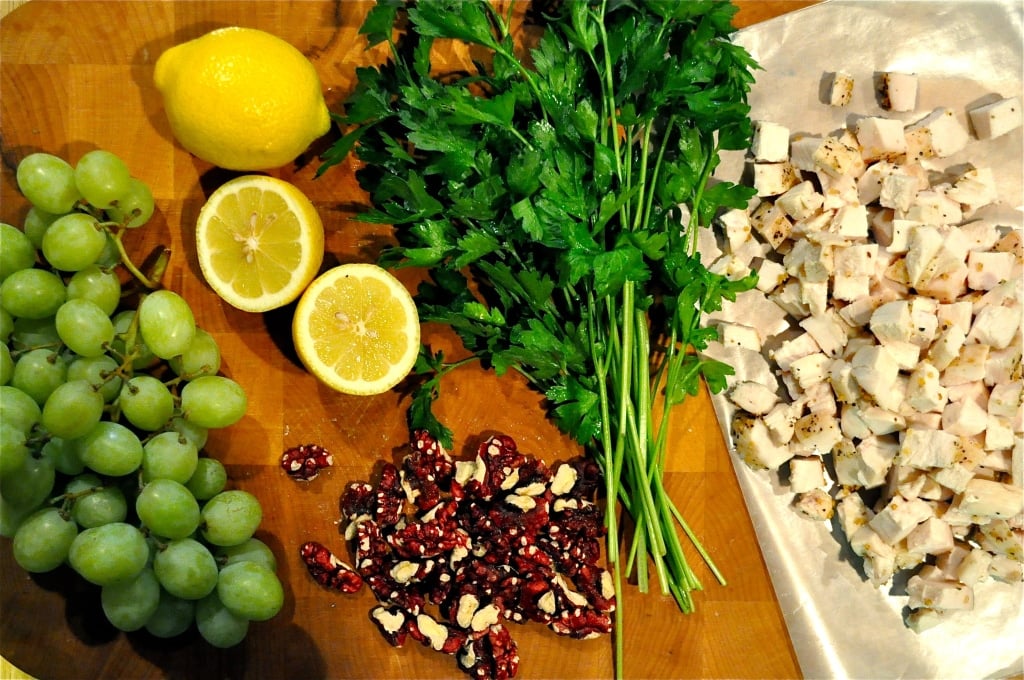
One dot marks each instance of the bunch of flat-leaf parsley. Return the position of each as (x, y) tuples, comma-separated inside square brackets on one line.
[(554, 198)]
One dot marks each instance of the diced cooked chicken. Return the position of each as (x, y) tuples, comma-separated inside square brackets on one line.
[(841, 89), (754, 397), (901, 366), (939, 595), (996, 118), (815, 504), (898, 91), (770, 142), (937, 135)]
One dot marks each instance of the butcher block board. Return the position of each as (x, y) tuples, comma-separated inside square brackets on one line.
[(77, 75)]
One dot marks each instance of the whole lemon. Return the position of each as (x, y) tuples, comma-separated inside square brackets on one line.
[(241, 98)]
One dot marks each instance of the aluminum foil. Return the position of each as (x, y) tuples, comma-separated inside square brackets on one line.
[(964, 53)]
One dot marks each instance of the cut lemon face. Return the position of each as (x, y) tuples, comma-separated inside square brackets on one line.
[(356, 329), (260, 242)]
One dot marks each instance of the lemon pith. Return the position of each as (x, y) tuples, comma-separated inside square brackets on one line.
[(259, 242), (356, 329), (241, 98)]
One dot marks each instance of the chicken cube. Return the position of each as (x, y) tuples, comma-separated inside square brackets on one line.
[(771, 223), (996, 118), (924, 390), (739, 335), (772, 179), (926, 449), (770, 142), (879, 556), (753, 397), (939, 595), (968, 366), (875, 369), (801, 201), (852, 512), (938, 135), (965, 418), (897, 91), (838, 159), (770, 275), (930, 537), (815, 504), (811, 369), (986, 270), (974, 566), (946, 347), (881, 138), (736, 224), (806, 473), (840, 89), (899, 517), (818, 431), (755, 444), (987, 498)]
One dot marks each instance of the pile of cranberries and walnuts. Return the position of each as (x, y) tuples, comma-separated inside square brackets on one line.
[(453, 551)]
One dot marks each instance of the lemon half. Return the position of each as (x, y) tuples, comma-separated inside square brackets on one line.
[(260, 241), (356, 328)]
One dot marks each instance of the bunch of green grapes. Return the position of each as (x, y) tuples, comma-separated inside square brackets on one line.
[(108, 390)]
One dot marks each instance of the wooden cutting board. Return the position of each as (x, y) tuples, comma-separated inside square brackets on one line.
[(76, 75)]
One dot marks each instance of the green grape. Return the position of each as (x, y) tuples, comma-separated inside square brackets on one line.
[(101, 177), (98, 285), (43, 540), (95, 503), (13, 449), (217, 625), (17, 409), (208, 480), (72, 410), (16, 251), (250, 590), (173, 616), (129, 605), (111, 449), (29, 484), (169, 455), (34, 333), (36, 223), (125, 343), (38, 373), (186, 569), (213, 401), (48, 182), (201, 358), (146, 403), (64, 454), (192, 432), (168, 509), (134, 207), (110, 256), (6, 325), (11, 517), (100, 372), (6, 365), (252, 550), (32, 293), (166, 323), (73, 242), (231, 517), (84, 327), (111, 553)]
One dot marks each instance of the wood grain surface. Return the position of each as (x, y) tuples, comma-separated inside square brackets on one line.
[(77, 75)]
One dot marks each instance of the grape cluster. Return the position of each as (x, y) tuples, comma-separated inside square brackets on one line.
[(108, 390)]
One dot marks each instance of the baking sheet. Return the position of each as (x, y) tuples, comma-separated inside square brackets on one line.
[(964, 53)]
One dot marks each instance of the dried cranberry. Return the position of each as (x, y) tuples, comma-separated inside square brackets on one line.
[(305, 462), (327, 570)]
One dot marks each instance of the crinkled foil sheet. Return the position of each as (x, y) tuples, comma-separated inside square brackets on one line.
[(963, 52)]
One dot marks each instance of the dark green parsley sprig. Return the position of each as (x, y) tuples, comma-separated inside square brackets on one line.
[(554, 197)]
